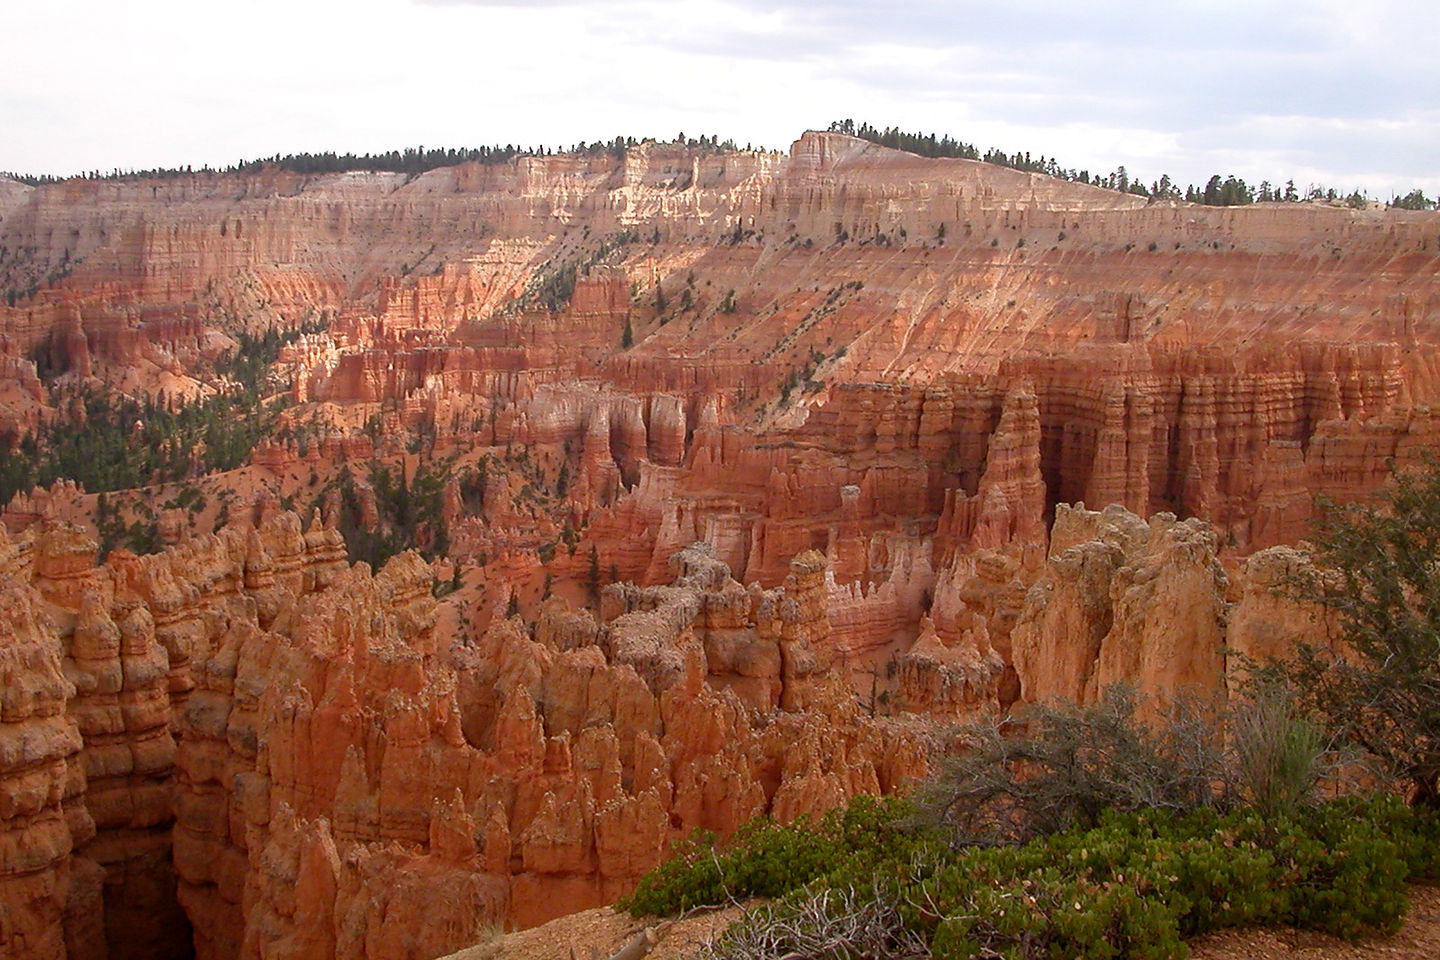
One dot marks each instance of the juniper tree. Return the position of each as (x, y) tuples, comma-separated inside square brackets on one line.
[(1381, 575)]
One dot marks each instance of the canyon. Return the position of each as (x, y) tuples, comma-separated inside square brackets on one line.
[(737, 480)]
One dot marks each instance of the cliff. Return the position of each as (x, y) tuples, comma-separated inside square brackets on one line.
[(788, 440), (245, 744), (247, 738), (869, 310)]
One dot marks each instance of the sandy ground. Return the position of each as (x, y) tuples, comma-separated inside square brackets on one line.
[(1419, 939), (606, 930)]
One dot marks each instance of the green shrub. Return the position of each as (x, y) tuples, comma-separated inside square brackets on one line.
[(1383, 584), (765, 859), (1063, 766), (1135, 885), (1277, 756), (1415, 831)]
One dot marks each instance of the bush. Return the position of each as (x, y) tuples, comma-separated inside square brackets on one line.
[(765, 859), (1135, 885), (1139, 883), (1277, 757), (1070, 765), (828, 924), (1383, 691)]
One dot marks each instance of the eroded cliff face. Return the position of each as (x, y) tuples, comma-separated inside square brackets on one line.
[(1149, 604), (248, 737), (870, 312), (245, 747), (790, 439)]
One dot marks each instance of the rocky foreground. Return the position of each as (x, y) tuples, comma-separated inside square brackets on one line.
[(755, 474), (247, 741)]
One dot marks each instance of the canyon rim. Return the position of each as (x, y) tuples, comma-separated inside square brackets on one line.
[(520, 516)]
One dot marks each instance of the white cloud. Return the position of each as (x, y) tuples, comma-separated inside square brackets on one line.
[(1259, 88)]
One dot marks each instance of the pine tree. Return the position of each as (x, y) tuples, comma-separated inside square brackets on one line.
[(1211, 194)]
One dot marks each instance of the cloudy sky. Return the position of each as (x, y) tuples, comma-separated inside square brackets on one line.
[(1340, 92)]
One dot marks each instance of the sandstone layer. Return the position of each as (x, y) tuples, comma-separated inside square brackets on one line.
[(1215, 362), (750, 473), (245, 747), (249, 733)]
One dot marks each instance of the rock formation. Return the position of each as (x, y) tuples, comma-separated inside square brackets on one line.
[(800, 430), (246, 732), (1121, 600), (1213, 362)]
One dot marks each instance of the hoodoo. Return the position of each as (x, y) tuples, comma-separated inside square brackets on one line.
[(390, 558)]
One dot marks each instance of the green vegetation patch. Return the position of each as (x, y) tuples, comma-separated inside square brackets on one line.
[(110, 442), (1133, 886), (554, 286), (410, 513)]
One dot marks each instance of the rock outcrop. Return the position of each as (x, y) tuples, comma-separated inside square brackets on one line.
[(1147, 604), (245, 743), (1054, 342), (807, 425)]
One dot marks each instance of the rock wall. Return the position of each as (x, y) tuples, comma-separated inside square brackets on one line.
[(1122, 600), (246, 745), (1214, 362), (50, 895), (867, 383)]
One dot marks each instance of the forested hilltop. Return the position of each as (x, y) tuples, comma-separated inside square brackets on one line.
[(411, 160), (1218, 191), (1228, 191)]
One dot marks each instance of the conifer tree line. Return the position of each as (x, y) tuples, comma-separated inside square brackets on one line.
[(411, 161), (1229, 191)]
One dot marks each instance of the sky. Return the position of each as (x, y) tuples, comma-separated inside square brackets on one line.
[(1344, 93)]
